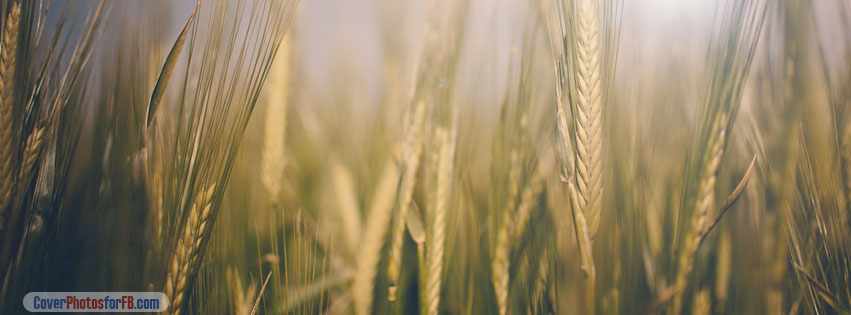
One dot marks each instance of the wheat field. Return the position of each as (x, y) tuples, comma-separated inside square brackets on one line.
[(429, 157)]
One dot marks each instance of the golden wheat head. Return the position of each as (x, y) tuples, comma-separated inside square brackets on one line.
[(8, 56), (186, 254), (588, 116), (276, 124)]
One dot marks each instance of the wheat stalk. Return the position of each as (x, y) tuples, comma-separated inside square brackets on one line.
[(157, 201), (381, 211), (186, 255), (583, 237), (8, 57), (411, 158), (417, 232), (273, 161), (422, 274), (260, 295)]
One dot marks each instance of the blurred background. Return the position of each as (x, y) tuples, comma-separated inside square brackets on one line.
[(380, 156)]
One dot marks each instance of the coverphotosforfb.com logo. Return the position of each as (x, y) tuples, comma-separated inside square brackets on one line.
[(92, 302)]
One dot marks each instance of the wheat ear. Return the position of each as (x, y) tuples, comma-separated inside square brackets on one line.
[(528, 202), (704, 204), (588, 122), (437, 235), (241, 300), (499, 261), (588, 117), (500, 265), (272, 162), (32, 148), (411, 159), (8, 57), (186, 254), (512, 227), (377, 223)]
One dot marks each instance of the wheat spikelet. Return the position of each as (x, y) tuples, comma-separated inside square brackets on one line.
[(411, 159), (437, 237), (706, 190), (703, 206), (588, 117), (32, 148), (276, 123), (8, 57), (31, 151), (186, 254), (376, 225)]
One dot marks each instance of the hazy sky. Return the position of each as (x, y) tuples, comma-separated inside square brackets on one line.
[(341, 41)]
